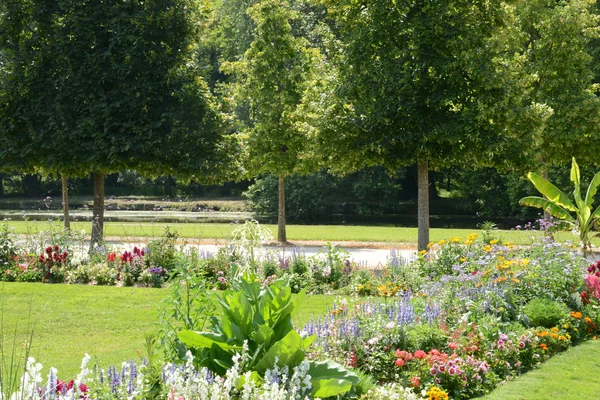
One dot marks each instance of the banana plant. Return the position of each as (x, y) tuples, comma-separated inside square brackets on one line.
[(577, 212)]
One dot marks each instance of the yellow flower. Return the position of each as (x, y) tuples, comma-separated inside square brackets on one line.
[(487, 248), (456, 239), (469, 242), (524, 262), (435, 393), (555, 329), (515, 280), (568, 336), (493, 241), (422, 252), (566, 326), (430, 245), (462, 259), (472, 236), (442, 242), (501, 279)]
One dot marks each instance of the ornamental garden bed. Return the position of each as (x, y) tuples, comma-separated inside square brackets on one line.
[(455, 323)]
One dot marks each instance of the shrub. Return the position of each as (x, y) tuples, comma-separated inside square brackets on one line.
[(545, 312)]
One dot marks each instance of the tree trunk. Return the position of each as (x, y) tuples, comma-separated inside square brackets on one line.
[(65, 201), (423, 204), (281, 236), (2, 184), (98, 211)]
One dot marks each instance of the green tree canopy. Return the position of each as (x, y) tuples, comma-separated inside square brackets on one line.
[(425, 83), (271, 78), (97, 88)]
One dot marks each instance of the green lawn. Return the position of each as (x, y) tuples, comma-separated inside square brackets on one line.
[(572, 375), (109, 323), (295, 232)]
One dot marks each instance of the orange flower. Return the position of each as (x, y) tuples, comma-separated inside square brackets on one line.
[(543, 334), (544, 347), (554, 336), (575, 314)]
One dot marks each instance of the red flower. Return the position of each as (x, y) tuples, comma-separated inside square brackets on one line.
[(420, 355), (399, 362), (415, 382), (49, 249), (352, 360), (111, 257)]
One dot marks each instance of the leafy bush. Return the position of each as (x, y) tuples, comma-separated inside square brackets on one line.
[(545, 312), (259, 319)]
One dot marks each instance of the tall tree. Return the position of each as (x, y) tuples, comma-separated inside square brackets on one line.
[(421, 82), (98, 89), (554, 38), (272, 77)]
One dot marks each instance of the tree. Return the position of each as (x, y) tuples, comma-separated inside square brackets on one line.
[(98, 89), (554, 38), (424, 83), (272, 77)]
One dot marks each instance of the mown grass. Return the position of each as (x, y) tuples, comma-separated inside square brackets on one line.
[(572, 375), (353, 233), (109, 323)]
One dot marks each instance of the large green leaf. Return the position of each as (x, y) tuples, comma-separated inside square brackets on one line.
[(263, 335), (592, 189), (288, 351), (547, 205), (202, 340), (575, 175), (330, 379), (240, 312), (553, 193)]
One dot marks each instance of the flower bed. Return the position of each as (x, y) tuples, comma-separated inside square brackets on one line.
[(463, 317)]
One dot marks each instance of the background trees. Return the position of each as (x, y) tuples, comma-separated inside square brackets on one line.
[(423, 83), (90, 89), (433, 85), (271, 77)]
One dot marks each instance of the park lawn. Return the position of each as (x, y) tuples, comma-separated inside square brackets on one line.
[(353, 233), (572, 375), (109, 323)]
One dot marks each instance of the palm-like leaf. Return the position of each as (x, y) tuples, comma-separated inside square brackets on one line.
[(592, 189), (554, 194), (547, 205)]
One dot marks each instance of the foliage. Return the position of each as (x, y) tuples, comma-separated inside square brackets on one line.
[(187, 307), (545, 312), (558, 204), (260, 318)]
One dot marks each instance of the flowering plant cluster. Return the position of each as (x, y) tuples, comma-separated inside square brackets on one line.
[(52, 264), (175, 382), (462, 326)]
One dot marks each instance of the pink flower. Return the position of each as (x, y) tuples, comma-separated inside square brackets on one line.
[(433, 371), (399, 362), (452, 345)]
